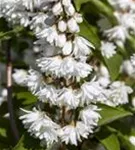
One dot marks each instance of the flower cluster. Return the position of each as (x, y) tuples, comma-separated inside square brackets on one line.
[(67, 92)]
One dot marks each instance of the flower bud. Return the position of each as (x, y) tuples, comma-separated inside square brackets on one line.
[(57, 9), (61, 40), (62, 26), (78, 18), (66, 2), (73, 26), (70, 10), (67, 49)]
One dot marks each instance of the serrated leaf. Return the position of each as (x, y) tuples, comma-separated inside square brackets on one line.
[(113, 64), (110, 114)]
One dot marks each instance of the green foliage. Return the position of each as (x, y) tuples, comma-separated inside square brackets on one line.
[(27, 143), (90, 32), (99, 7), (113, 64), (110, 114), (108, 139)]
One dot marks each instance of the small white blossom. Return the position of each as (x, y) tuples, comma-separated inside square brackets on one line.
[(48, 94), (132, 140), (117, 33), (70, 10), (57, 9), (66, 67), (70, 134), (69, 98), (66, 2), (91, 92), (90, 116), (34, 80), (61, 40), (127, 67), (123, 4), (81, 46), (49, 33), (78, 17), (118, 93), (108, 49), (73, 26), (62, 26), (40, 125), (68, 47), (19, 76)]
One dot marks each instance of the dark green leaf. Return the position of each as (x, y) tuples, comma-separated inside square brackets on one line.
[(26, 97), (27, 143), (99, 6), (113, 64), (110, 114), (89, 32)]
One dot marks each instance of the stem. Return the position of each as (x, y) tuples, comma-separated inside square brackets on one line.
[(7, 48), (63, 116)]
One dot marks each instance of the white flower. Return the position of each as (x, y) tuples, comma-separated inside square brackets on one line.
[(104, 82), (103, 71), (68, 97), (126, 19), (61, 40), (132, 140), (78, 17), (40, 125), (81, 46), (73, 26), (90, 116), (66, 67), (67, 49), (91, 92), (57, 9), (66, 2), (108, 49), (49, 33), (70, 134), (70, 10), (48, 94), (50, 64), (118, 93), (124, 4), (127, 67), (19, 76), (34, 80), (62, 26), (117, 33)]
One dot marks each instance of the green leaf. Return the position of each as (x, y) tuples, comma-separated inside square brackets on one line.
[(26, 97), (27, 143), (113, 64), (98, 5), (90, 33), (110, 114), (109, 141)]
